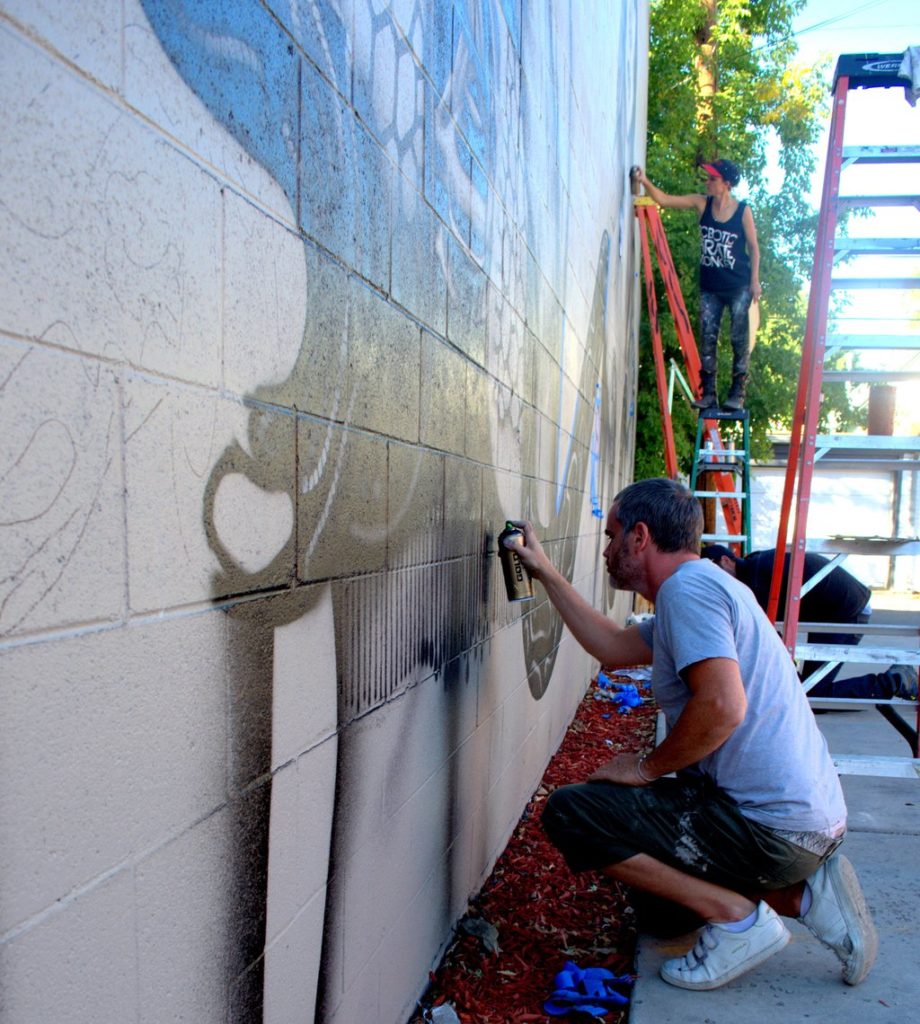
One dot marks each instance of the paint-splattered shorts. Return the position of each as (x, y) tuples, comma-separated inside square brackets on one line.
[(686, 822)]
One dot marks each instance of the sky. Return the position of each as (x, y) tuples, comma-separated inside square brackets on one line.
[(828, 28), (856, 26)]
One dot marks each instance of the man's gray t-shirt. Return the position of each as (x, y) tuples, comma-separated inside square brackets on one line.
[(775, 765)]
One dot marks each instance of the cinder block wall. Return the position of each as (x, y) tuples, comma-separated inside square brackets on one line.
[(299, 302)]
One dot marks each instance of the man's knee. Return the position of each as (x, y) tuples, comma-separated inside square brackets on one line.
[(557, 814), (561, 826), (587, 823)]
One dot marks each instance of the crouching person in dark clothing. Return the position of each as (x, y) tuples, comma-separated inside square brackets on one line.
[(838, 597), (748, 830)]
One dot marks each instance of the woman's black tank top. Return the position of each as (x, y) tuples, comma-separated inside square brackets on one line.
[(725, 265)]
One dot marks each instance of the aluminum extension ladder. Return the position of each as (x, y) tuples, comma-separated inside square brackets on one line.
[(809, 452)]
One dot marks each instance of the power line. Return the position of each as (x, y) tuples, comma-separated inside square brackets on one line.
[(839, 17), (820, 24)]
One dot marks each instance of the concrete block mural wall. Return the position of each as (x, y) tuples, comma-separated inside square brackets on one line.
[(300, 300)]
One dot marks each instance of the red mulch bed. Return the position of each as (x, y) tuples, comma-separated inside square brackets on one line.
[(544, 914)]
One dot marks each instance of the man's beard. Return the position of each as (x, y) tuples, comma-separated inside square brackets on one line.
[(623, 573)]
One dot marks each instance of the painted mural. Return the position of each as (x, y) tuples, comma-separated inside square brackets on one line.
[(355, 284)]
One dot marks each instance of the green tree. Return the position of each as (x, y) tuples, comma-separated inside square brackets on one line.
[(723, 82)]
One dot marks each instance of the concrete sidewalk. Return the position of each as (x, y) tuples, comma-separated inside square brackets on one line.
[(802, 983)]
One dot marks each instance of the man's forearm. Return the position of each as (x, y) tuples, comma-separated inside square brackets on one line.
[(687, 745), (704, 725), (592, 629), (602, 638)]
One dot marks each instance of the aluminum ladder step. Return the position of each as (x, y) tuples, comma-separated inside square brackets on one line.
[(877, 246), (879, 546), (859, 703), (870, 376), (877, 766), (709, 455), (856, 653), (869, 442), (870, 628), (880, 155), (862, 283), (855, 465), (865, 342), (858, 202), (839, 452)]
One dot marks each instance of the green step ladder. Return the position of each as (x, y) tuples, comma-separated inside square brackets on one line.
[(711, 455)]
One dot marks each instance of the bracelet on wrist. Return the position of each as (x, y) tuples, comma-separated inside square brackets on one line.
[(640, 772)]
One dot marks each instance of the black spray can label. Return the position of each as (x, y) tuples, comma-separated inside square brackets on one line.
[(518, 583)]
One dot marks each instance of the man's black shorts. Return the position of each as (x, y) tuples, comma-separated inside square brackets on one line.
[(686, 822)]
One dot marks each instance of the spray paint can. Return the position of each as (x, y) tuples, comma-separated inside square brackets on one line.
[(518, 583), (635, 185)]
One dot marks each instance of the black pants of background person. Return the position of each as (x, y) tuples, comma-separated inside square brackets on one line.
[(872, 685)]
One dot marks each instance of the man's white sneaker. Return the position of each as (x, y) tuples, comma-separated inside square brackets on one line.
[(839, 917), (720, 955)]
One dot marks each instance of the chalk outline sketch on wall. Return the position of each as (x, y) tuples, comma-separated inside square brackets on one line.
[(397, 146), (210, 57)]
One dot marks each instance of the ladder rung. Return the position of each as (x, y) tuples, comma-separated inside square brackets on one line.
[(879, 546), (876, 765), (859, 283), (878, 246), (722, 471), (910, 632), (870, 442), (720, 494), (728, 538), (719, 453), (874, 341), (715, 413), (881, 154), (865, 628), (863, 451), (855, 202), (870, 376), (856, 703), (874, 465), (870, 655)]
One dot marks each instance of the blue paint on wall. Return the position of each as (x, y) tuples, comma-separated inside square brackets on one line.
[(246, 71)]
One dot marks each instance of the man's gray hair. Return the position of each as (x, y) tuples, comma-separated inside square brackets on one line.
[(670, 511)]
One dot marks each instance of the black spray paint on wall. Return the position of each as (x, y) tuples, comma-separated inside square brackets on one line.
[(402, 611)]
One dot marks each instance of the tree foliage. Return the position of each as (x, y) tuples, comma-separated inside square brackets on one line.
[(724, 82)]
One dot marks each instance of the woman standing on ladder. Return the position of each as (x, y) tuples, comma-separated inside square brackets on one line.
[(729, 273)]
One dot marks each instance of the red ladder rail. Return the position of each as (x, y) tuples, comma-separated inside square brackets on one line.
[(670, 454), (801, 458)]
